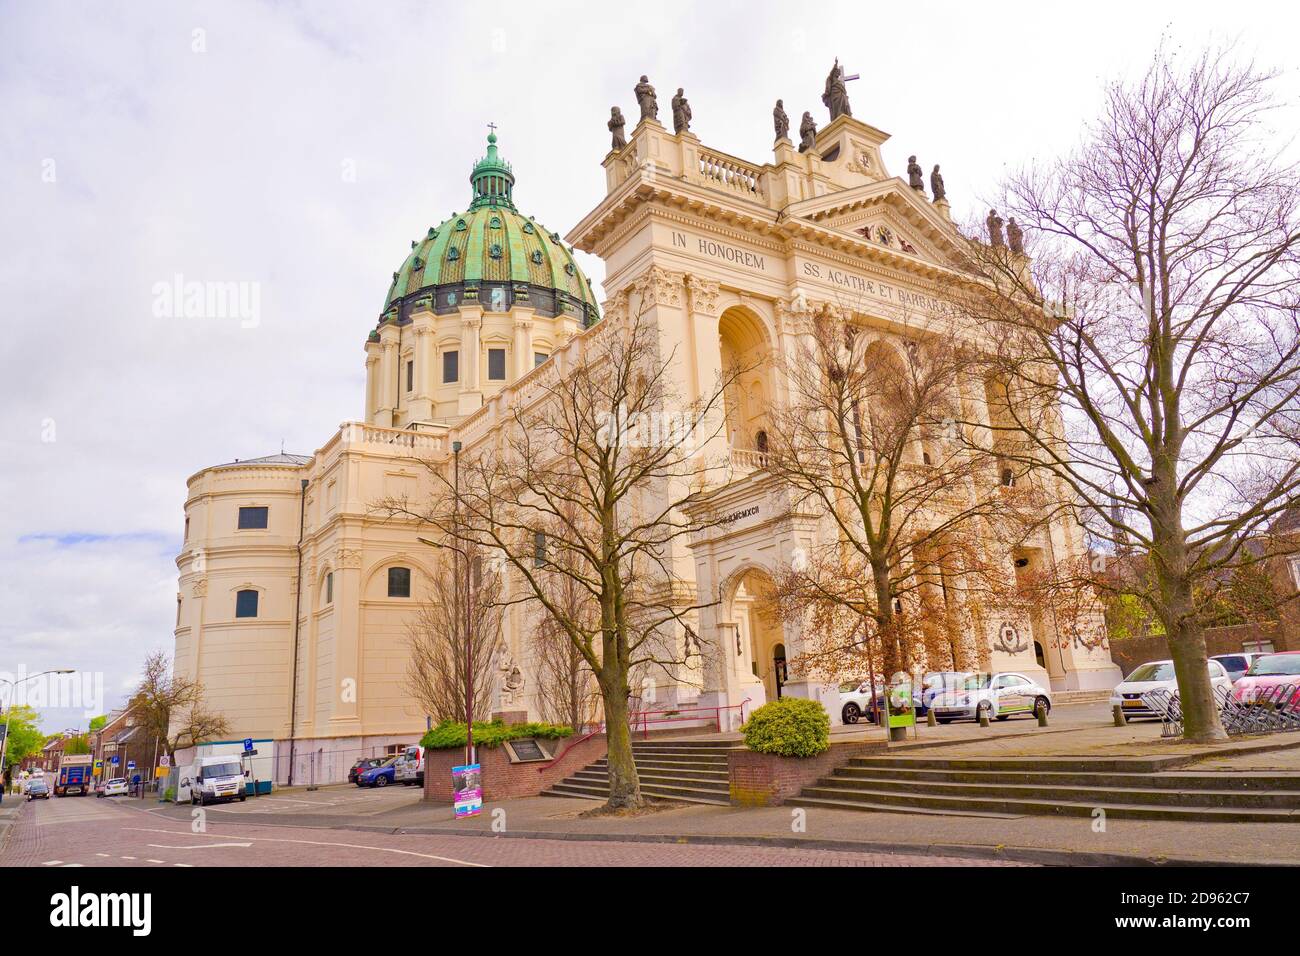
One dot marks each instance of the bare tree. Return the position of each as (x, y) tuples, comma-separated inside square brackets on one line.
[(566, 688), (1160, 314), (587, 481), (437, 640), (171, 708), (921, 526)]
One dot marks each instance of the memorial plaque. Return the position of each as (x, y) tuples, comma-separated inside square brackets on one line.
[(528, 749)]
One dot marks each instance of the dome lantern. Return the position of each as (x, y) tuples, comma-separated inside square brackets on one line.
[(492, 178)]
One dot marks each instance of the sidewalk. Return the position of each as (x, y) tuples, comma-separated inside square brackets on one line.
[(9, 810)]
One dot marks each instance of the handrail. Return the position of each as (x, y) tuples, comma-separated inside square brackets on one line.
[(645, 720), (600, 729)]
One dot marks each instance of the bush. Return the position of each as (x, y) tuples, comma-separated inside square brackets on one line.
[(789, 727), (451, 733)]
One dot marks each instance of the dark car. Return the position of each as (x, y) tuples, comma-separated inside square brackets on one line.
[(365, 763), (380, 776), (37, 790)]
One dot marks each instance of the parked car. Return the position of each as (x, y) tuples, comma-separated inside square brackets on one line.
[(410, 767), (1236, 664), (1159, 675), (380, 776), (999, 694), (37, 789), (365, 763), (117, 787), (1267, 673), (855, 701)]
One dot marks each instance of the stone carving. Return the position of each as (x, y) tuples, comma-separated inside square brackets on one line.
[(681, 113), (647, 100), (915, 178), (704, 295), (200, 588), (936, 184), (616, 124), (661, 287), (1015, 237), (512, 680), (807, 133), (994, 223), (348, 558), (836, 95), (1010, 640), (781, 121)]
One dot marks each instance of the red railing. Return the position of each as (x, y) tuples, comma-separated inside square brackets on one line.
[(599, 729), (642, 719)]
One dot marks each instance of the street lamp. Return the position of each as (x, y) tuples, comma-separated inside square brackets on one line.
[(4, 741)]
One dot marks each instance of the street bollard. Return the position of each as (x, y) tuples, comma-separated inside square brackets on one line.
[(1041, 712), (929, 718), (983, 716), (1120, 719)]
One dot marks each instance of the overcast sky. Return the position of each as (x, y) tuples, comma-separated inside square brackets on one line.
[(300, 147)]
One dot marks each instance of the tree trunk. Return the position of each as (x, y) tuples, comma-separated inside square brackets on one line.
[(624, 784), (1201, 722)]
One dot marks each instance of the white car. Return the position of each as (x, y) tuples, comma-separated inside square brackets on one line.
[(1000, 695), (855, 700), (1159, 675), (117, 787)]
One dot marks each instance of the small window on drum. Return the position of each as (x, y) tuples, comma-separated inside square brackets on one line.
[(329, 588), (496, 365), (252, 518), (246, 603), (450, 366), (399, 582)]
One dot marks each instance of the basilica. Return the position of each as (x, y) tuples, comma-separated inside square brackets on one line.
[(296, 597)]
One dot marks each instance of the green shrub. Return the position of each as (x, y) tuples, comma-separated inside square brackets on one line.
[(451, 733), (789, 727)]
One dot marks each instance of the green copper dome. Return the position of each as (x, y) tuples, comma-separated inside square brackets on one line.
[(493, 255)]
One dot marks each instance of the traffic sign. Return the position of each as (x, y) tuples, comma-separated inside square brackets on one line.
[(248, 744), (164, 761), (115, 760), (130, 765)]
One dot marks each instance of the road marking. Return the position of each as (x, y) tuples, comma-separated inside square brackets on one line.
[(349, 846), (101, 854), (128, 858), (188, 866), (52, 863), (154, 861), (195, 846)]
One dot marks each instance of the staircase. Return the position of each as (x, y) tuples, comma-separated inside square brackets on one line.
[(1132, 788), (692, 771)]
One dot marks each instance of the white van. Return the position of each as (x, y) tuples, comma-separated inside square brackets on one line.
[(211, 780), (409, 769)]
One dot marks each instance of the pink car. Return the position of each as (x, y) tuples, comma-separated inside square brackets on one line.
[(1266, 678)]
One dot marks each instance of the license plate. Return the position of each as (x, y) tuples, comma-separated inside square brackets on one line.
[(1134, 703)]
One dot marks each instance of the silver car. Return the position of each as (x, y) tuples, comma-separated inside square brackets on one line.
[(1000, 694)]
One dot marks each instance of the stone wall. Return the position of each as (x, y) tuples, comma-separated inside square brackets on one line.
[(502, 779), (1129, 653), (766, 780)]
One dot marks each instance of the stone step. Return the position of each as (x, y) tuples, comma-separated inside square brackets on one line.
[(719, 784), (684, 753), (1091, 795), (1033, 764), (645, 763), (689, 744), (1169, 780), (675, 770), (858, 797), (598, 792), (867, 807)]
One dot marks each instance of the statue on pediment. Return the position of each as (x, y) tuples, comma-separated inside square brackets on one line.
[(807, 133), (1015, 237), (915, 178), (994, 223), (936, 184), (781, 121), (616, 125), (836, 95), (647, 99), (681, 113)]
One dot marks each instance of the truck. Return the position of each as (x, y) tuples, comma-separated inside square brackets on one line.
[(74, 775), (211, 780), (409, 770)]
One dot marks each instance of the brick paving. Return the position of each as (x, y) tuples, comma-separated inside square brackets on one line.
[(79, 833)]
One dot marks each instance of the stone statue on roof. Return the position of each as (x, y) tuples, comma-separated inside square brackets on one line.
[(681, 113), (994, 222), (936, 184), (646, 99), (807, 133), (836, 95), (616, 125), (1015, 237), (781, 121), (915, 178)]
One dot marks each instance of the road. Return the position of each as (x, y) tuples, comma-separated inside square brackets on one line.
[(89, 832)]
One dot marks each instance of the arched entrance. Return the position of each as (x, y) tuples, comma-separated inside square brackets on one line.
[(762, 639)]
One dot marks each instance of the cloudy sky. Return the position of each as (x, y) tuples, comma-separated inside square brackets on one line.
[(299, 147)]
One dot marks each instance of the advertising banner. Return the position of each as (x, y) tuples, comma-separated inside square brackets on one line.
[(467, 789)]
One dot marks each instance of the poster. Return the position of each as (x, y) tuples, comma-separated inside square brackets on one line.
[(467, 789)]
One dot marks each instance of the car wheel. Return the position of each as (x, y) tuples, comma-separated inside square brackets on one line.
[(1003, 716), (243, 797), (944, 720), (381, 781), (851, 713)]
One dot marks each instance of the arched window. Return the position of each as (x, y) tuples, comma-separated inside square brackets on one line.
[(246, 603), (399, 582), (760, 441)]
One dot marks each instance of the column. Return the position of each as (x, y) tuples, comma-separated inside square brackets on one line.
[(345, 712), (523, 342), (471, 397)]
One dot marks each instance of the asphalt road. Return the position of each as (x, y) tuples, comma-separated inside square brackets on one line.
[(89, 832)]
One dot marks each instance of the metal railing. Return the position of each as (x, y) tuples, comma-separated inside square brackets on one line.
[(642, 719)]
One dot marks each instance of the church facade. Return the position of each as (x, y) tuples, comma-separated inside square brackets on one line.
[(296, 597)]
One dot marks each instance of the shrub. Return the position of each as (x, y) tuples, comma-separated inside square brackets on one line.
[(789, 727), (451, 733)]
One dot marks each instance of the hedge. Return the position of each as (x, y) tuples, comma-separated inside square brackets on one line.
[(789, 727), (451, 733)]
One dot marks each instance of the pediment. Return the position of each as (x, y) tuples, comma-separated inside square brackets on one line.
[(886, 213)]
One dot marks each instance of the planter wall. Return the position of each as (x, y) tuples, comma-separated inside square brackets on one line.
[(502, 779), (766, 780)]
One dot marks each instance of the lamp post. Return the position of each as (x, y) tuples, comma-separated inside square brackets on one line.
[(4, 741)]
